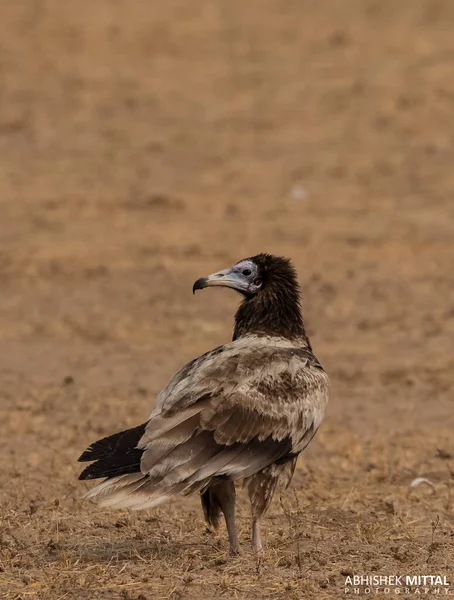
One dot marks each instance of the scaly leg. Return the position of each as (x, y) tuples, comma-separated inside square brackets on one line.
[(261, 487), (228, 508), (222, 494), (256, 537)]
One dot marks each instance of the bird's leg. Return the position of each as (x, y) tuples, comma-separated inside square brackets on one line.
[(256, 537), (229, 514), (261, 487), (225, 494)]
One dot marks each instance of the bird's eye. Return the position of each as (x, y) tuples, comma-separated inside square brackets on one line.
[(246, 272)]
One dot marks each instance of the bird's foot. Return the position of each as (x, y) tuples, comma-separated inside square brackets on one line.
[(258, 550), (234, 550)]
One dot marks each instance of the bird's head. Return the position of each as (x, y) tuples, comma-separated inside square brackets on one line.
[(253, 276), (270, 290)]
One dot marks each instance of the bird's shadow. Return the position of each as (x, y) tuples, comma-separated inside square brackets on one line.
[(210, 549)]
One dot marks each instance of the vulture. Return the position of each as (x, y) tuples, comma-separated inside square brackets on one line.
[(242, 412)]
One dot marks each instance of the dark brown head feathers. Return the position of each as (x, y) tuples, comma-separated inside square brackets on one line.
[(275, 308)]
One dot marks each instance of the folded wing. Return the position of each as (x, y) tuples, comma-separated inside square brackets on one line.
[(230, 413)]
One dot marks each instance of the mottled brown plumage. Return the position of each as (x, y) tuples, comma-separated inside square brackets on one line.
[(242, 412)]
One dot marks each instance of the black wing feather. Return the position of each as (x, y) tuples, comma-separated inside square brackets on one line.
[(114, 455)]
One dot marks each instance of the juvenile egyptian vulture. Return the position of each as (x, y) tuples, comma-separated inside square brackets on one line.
[(241, 412)]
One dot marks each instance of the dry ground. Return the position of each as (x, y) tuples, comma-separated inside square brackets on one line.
[(144, 144)]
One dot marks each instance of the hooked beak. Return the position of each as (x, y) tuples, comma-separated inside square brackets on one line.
[(224, 278)]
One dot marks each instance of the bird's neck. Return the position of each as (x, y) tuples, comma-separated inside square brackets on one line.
[(271, 314)]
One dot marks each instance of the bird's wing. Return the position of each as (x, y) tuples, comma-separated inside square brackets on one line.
[(223, 370), (231, 413)]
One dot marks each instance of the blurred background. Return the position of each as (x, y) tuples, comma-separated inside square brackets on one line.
[(146, 144)]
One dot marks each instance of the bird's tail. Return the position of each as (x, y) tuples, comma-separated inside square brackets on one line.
[(141, 473), (148, 464)]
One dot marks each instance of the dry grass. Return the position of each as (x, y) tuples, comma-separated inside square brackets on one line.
[(345, 515), (143, 145)]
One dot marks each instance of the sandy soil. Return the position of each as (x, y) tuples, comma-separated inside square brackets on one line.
[(144, 144)]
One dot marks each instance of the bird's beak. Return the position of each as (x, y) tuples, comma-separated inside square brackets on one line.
[(224, 278)]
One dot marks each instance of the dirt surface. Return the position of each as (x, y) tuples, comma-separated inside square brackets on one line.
[(145, 144)]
